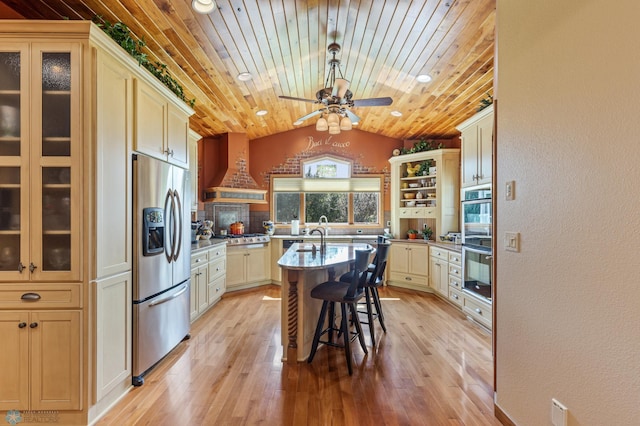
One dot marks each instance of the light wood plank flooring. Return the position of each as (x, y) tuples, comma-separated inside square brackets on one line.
[(432, 367)]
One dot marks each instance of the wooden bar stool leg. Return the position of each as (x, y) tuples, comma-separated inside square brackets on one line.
[(319, 329), (376, 301), (345, 336), (368, 294), (354, 311)]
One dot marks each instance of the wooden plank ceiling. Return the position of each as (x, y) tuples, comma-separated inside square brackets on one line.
[(283, 44)]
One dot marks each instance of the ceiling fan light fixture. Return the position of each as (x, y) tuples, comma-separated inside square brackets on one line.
[(321, 125), (345, 124), (333, 118), (334, 130), (423, 78), (203, 6)]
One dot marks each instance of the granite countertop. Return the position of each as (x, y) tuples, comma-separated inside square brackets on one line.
[(336, 254), (206, 244), (330, 236)]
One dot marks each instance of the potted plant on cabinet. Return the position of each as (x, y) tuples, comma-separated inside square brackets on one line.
[(412, 234), (427, 233)]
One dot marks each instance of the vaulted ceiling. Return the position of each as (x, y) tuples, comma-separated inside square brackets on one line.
[(283, 44)]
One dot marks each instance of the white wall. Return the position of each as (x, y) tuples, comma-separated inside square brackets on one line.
[(568, 325)]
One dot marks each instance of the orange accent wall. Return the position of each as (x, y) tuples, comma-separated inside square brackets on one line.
[(281, 154)]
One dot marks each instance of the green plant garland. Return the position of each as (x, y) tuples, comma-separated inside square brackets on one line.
[(122, 35)]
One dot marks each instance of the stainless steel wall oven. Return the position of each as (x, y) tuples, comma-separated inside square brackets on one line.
[(477, 235)]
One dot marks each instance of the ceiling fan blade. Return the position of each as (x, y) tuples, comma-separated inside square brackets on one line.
[(373, 102), (354, 118), (312, 114), (340, 87), (298, 99)]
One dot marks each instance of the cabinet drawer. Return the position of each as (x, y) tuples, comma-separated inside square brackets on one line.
[(439, 253), (38, 297), (216, 289), (409, 278), (455, 258), (456, 297), (218, 252), (199, 258), (477, 310), (455, 282), (217, 268), (455, 270)]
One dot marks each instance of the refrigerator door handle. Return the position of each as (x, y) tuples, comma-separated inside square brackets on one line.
[(169, 245), (166, 299), (179, 213)]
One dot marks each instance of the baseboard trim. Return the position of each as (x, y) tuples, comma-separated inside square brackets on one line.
[(502, 417)]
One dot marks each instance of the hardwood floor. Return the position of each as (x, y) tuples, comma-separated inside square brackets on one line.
[(432, 367)]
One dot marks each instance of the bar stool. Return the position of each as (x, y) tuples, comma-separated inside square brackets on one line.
[(332, 292), (375, 275)]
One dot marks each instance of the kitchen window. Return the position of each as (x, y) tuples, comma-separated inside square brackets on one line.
[(327, 188)]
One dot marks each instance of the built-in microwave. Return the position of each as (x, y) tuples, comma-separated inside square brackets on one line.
[(477, 267), (477, 229)]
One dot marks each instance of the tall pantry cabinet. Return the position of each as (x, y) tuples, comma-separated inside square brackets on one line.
[(67, 122)]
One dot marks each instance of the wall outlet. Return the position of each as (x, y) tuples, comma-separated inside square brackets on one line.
[(388, 223), (558, 413), (264, 223)]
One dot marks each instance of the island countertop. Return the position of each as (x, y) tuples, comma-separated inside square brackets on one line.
[(302, 256)]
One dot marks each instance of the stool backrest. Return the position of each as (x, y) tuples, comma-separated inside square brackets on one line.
[(382, 254), (359, 273)]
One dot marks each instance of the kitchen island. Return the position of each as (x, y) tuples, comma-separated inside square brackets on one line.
[(305, 265)]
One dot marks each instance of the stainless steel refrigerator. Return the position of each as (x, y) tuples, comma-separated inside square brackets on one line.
[(162, 250)]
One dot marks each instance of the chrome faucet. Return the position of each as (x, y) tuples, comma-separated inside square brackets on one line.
[(322, 243), (325, 225)]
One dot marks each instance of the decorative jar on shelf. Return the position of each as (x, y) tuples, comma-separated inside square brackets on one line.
[(269, 227)]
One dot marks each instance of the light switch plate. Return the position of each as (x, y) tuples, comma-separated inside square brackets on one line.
[(510, 190), (558, 413), (512, 241)]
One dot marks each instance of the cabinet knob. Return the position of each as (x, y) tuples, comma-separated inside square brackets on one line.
[(407, 278), (21, 267), (478, 310), (455, 296), (32, 267), (33, 325), (22, 325)]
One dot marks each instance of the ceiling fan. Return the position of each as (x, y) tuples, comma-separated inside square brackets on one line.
[(336, 98)]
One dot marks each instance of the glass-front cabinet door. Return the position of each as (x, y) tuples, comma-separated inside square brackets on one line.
[(40, 163)]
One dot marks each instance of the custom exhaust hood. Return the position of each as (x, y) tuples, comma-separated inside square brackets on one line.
[(226, 169)]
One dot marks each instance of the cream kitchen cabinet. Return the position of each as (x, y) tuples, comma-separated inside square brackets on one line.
[(477, 310), (217, 273), (455, 279), (408, 265), (199, 281), (41, 367), (477, 148), (430, 199), (439, 270), (40, 161), (161, 126), (193, 168), (248, 267), (208, 278)]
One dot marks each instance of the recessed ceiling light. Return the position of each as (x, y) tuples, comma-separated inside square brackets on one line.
[(297, 123), (203, 6), (261, 112), (396, 113), (423, 78), (245, 76)]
